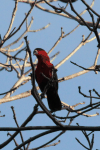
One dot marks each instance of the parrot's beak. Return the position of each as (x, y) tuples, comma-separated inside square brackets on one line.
[(35, 52)]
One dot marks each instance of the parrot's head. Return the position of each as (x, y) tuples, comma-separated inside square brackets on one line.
[(41, 54)]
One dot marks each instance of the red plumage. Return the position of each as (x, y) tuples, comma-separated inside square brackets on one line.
[(44, 66)]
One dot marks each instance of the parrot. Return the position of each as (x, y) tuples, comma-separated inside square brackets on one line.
[(66, 1), (45, 72)]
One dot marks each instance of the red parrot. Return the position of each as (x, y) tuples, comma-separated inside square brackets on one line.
[(66, 1), (44, 67)]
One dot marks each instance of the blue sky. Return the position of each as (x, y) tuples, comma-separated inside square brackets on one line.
[(68, 90)]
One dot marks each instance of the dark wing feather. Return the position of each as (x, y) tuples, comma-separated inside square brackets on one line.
[(52, 93), (66, 1)]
